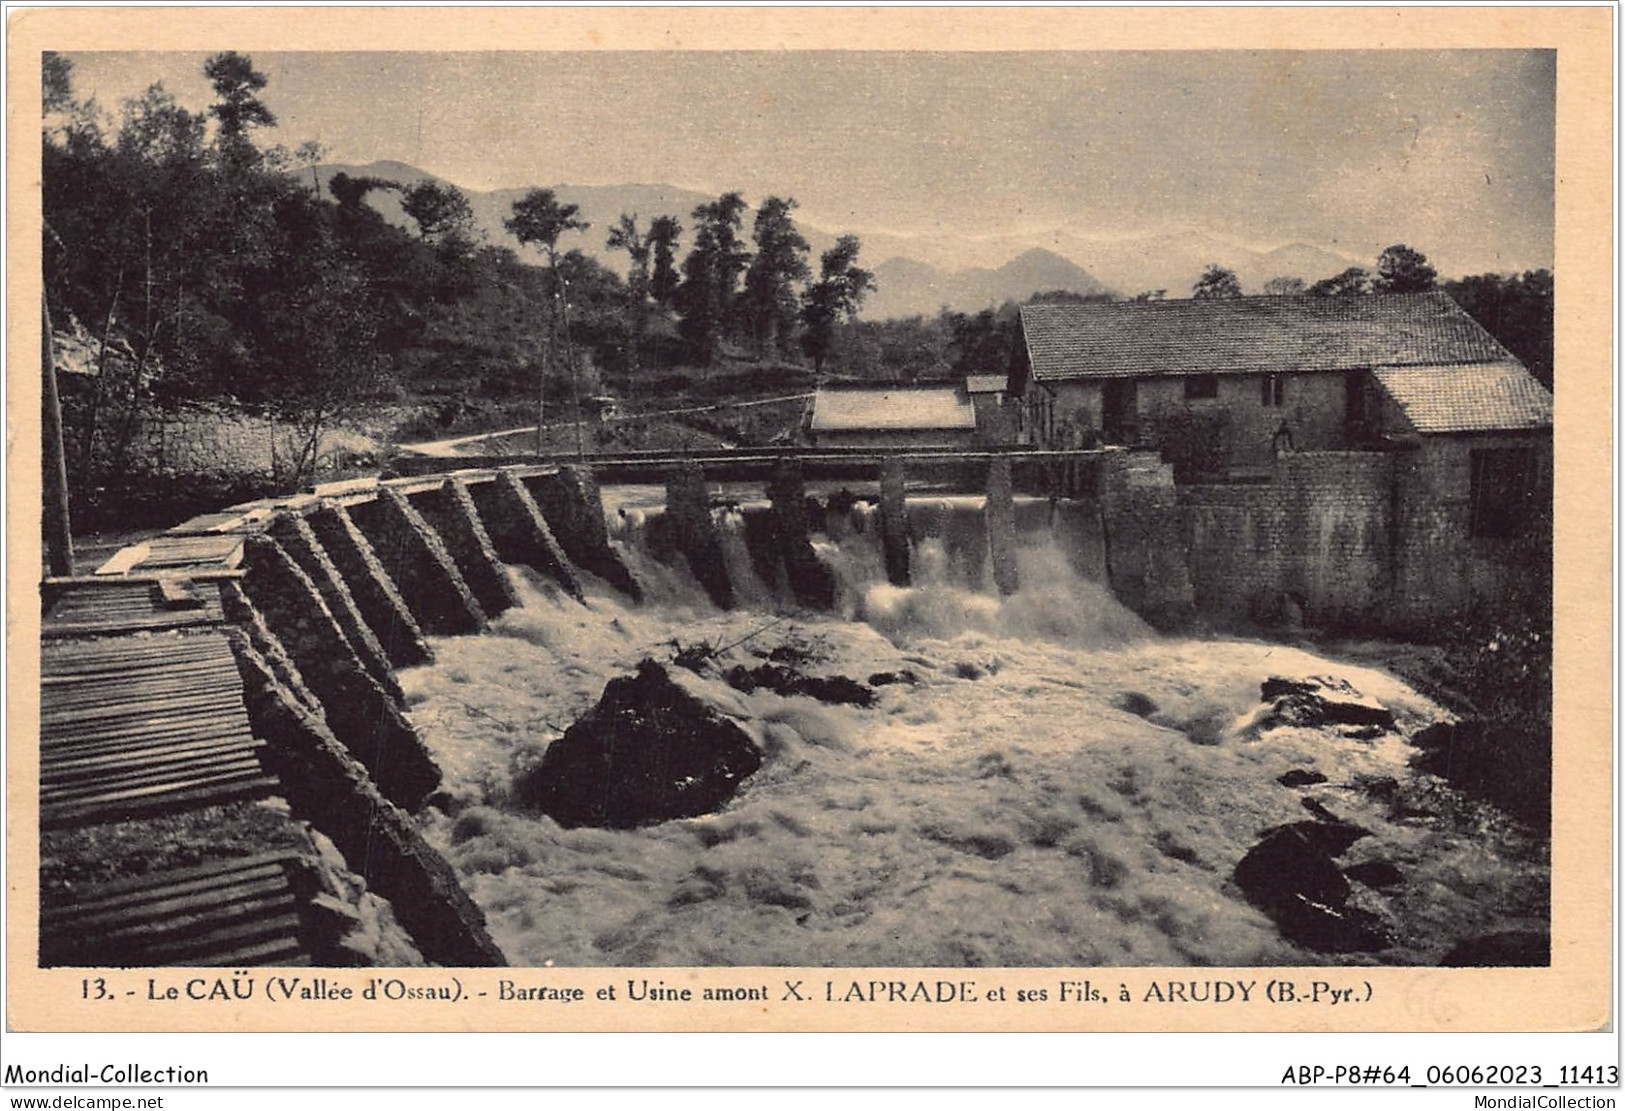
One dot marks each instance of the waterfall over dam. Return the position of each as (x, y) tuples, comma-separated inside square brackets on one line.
[(1033, 775)]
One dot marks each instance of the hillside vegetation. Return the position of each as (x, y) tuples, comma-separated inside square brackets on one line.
[(215, 266)]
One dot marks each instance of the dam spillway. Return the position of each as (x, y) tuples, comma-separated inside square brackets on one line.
[(321, 600)]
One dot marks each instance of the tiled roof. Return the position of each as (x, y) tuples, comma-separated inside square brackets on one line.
[(894, 408), (985, 383), (1477, 397), (1276, 334)]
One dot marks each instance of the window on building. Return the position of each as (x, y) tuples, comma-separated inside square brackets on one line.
[(1201, 387), (1503, 491), (1274, 391)]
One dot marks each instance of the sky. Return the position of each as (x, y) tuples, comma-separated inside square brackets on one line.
[(1448, 151)]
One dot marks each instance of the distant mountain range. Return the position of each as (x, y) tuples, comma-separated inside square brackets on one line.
[(915, 274)]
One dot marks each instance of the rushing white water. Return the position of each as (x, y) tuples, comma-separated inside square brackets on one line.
[(1001, 809)]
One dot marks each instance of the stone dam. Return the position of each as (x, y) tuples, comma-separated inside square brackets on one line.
[(229, 771)]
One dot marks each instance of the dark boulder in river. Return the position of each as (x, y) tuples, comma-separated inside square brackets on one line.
[(650, 751), (1321, 700), (1290, 875)]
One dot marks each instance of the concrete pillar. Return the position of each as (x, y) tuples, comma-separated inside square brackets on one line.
[(519, 532), (295, 535), (360, 712), (574, 510), (894, 532), (1147, 551), (810, 580), (373, 591), (694, 533), (413, 554), (451, 513), (327, 787), (244, 618), (1000, 515)]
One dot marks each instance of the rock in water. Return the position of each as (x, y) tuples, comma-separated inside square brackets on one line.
[(1300, 777), (1322, 700), (648, 752), (1290, 876)]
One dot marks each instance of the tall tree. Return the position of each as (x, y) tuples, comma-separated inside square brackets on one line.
[(1402, 269), (707, 297), (441, 212), (237, 83), (664, 234), (1216, 283), (538, 219), (835, 296), (769, 301), (1353, 282), (625, 236), (56, 82), (310, 154)]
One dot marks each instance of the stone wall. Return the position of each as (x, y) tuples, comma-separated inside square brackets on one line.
[(151, 462), (1377, 540), (1315, 539), (1442, 570)]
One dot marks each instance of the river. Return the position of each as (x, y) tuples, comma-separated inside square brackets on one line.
[(1053, 784)]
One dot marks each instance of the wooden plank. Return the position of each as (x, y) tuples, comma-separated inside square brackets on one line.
[(129, 898), (93, 693), (230, 938), (63, 752), (181, 877), (68, 705), (113, 763), (221, 697), (111, 739), (150, 926), (153, 778), (173, 914), (176, 593), (102, 700), (220, 942), (137, 669), (181, 619), (146, 788), (215, 651), (148, 667), (226, 789)]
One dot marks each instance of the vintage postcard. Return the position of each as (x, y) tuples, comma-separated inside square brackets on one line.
[(1064, 519)]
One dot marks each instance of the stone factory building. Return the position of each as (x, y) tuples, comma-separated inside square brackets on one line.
[(1375, 460)]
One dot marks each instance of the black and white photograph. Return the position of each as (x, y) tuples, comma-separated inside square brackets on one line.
[(887, 513)]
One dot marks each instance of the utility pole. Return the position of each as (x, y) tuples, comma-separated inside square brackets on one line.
[(58, 531), (575, 376)]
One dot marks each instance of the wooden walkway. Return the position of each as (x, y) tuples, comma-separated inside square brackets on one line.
[(142, 714), (140, 723), (243, 911)]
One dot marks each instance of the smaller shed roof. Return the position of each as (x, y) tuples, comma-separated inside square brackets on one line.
[(1472, 397), (892, 408), (985, 383)]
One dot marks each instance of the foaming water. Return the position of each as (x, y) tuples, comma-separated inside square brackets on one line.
[(1045, 782)]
